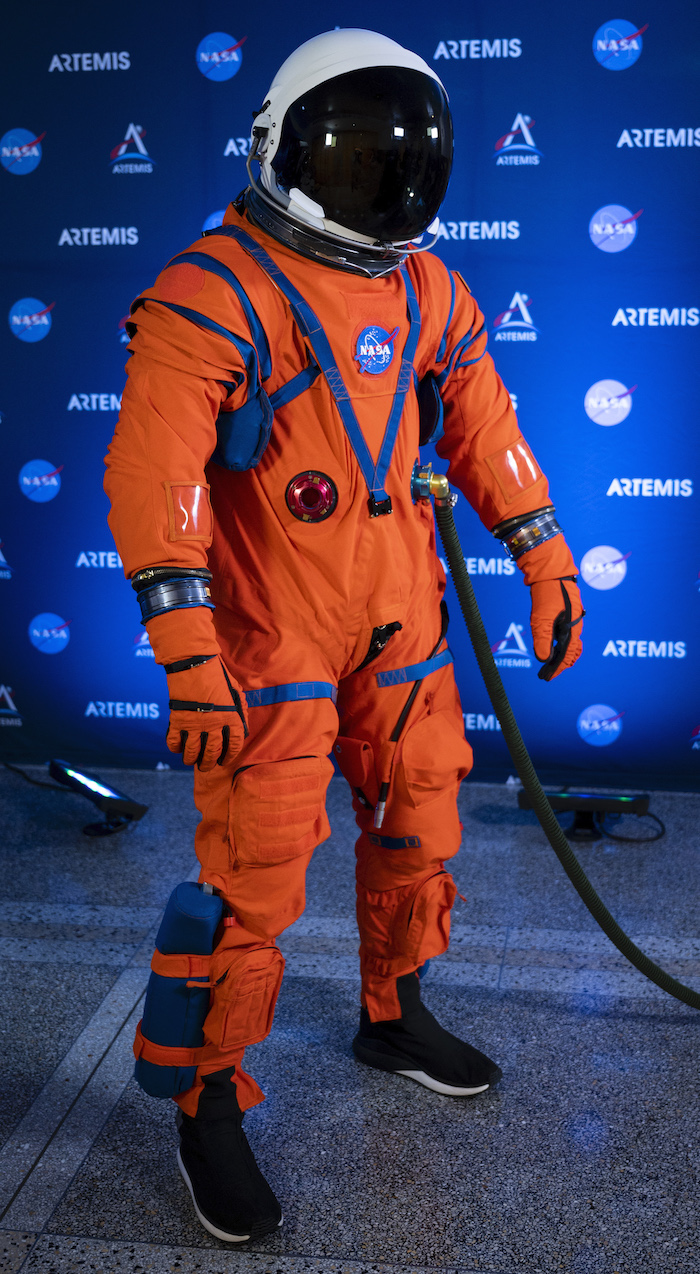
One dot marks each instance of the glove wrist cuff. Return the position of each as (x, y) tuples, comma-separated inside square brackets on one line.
[(527, 533)]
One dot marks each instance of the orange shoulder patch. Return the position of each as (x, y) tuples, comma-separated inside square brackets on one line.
[(180, 282)]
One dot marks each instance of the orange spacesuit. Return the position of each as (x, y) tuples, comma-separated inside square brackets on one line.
[(328, 622)]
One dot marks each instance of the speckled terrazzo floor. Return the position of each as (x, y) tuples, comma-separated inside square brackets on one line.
[(584, 1159)]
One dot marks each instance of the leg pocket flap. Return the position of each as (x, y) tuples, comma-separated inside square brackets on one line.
[(434, 757), (278, 810), (243, 1003)]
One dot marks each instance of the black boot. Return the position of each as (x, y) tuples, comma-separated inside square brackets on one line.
[(417, 1046), (230, 1194)]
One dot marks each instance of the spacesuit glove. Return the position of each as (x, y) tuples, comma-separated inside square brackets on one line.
[(208, 721), (556, 618)]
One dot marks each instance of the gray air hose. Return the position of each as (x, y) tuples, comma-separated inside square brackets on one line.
[(438, 486)]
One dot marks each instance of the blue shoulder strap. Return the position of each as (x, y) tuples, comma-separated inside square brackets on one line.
[(257, 331), (374, 475)]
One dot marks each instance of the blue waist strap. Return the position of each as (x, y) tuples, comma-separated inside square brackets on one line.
[(414, 672), (292, 690)]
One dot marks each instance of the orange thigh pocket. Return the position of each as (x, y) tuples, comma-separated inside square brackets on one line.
[(243, 1001), (278, 810), (435, 757), (355, 759)]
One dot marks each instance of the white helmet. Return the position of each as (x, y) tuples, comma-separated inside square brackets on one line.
[(354, 142)]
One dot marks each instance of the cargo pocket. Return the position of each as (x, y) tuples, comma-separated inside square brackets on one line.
[(434, 758), (278, 810), (412, 922), (428, 920), (243, 1003), (355, 759)]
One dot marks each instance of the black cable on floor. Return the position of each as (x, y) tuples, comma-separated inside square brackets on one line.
[(523, 764), (53, 787)]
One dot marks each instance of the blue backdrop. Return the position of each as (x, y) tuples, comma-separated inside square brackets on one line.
[(570, 213)]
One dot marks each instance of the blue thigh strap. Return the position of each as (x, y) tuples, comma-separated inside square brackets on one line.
[(290, 692), (414, 672)]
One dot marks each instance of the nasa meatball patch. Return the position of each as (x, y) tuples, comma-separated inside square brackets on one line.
[(374, 349)]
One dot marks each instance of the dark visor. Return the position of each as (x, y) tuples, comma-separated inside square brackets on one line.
[(373, 147)]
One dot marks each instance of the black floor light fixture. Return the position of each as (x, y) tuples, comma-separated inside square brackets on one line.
[(590, 810), (119, 810)]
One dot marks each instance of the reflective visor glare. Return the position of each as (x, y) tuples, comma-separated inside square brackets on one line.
[(373, 147)]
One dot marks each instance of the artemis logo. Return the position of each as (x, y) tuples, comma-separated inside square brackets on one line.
[(5, 568), (608, 402), (479, 230), (646, 137), (509, 48), (511, 651), (40, 481), (517, 146), (131, 156), (98, 236), (477, 721), (613, 228), (604, 567), (599, 725), (108, 708), (142, 647), (30, 320), (618, 44), (485, 565), (646, 649), (219, 56), (20, 151), (124, 337), (650, 486), (90, 62), (94, 402), (102, 558), (515, 324), (49, 633), (238, 146), (645, 317), (8, 712), (694, 738)]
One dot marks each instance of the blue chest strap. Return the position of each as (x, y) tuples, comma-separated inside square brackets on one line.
[(374, 474)]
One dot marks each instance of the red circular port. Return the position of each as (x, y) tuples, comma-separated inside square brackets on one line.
[(311, 496)]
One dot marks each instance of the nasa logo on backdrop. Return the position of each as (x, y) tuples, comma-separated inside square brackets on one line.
[(131, 156), (604, 567), (374, 349), (613, 228), (618, 44), (219, 56), (511, 651), (515, 323), (517, 146), (49, 633), (608, 402), (214, 220), (40, 480), (599, 725), (20, 151), (29, 319)]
